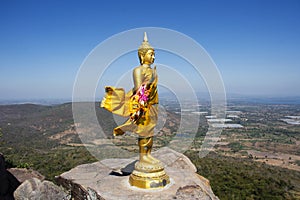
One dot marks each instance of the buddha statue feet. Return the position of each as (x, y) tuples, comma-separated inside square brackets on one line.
[(153, 160), (149, 159), (142, 166)]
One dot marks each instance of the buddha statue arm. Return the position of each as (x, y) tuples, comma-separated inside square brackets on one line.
[(137, 78)]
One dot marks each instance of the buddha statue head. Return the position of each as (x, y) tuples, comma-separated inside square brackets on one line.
[(146, 52)]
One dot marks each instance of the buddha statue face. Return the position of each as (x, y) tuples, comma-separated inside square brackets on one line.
[(148, 58), (146, 52)]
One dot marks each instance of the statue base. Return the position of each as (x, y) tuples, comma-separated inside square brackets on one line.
[(149, 175), (149, 180)]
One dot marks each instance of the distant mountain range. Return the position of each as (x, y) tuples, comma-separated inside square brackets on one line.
[(263, 99), (41, 101), (234, 98)]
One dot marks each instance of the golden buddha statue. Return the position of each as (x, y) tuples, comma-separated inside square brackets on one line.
[(141, 106)]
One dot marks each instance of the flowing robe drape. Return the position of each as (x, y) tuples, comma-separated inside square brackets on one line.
[(123, 104)]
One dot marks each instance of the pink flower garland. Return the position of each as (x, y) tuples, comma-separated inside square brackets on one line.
[(143, 96)]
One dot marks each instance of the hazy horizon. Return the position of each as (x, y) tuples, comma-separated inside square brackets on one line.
[(231, 98)]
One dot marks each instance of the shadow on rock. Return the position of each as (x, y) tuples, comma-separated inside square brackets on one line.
[(8, 183), (127, 170)]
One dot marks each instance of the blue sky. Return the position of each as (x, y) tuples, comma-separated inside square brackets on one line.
[(254, 43)]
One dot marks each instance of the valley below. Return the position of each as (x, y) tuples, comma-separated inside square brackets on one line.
[(257, 158)]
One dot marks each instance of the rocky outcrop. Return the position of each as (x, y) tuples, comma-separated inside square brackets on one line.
[(24, 184), (108, 179), (8, 183), (35, 189), (23, 174)]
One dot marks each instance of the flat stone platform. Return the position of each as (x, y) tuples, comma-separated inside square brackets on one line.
[(108, 179)]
